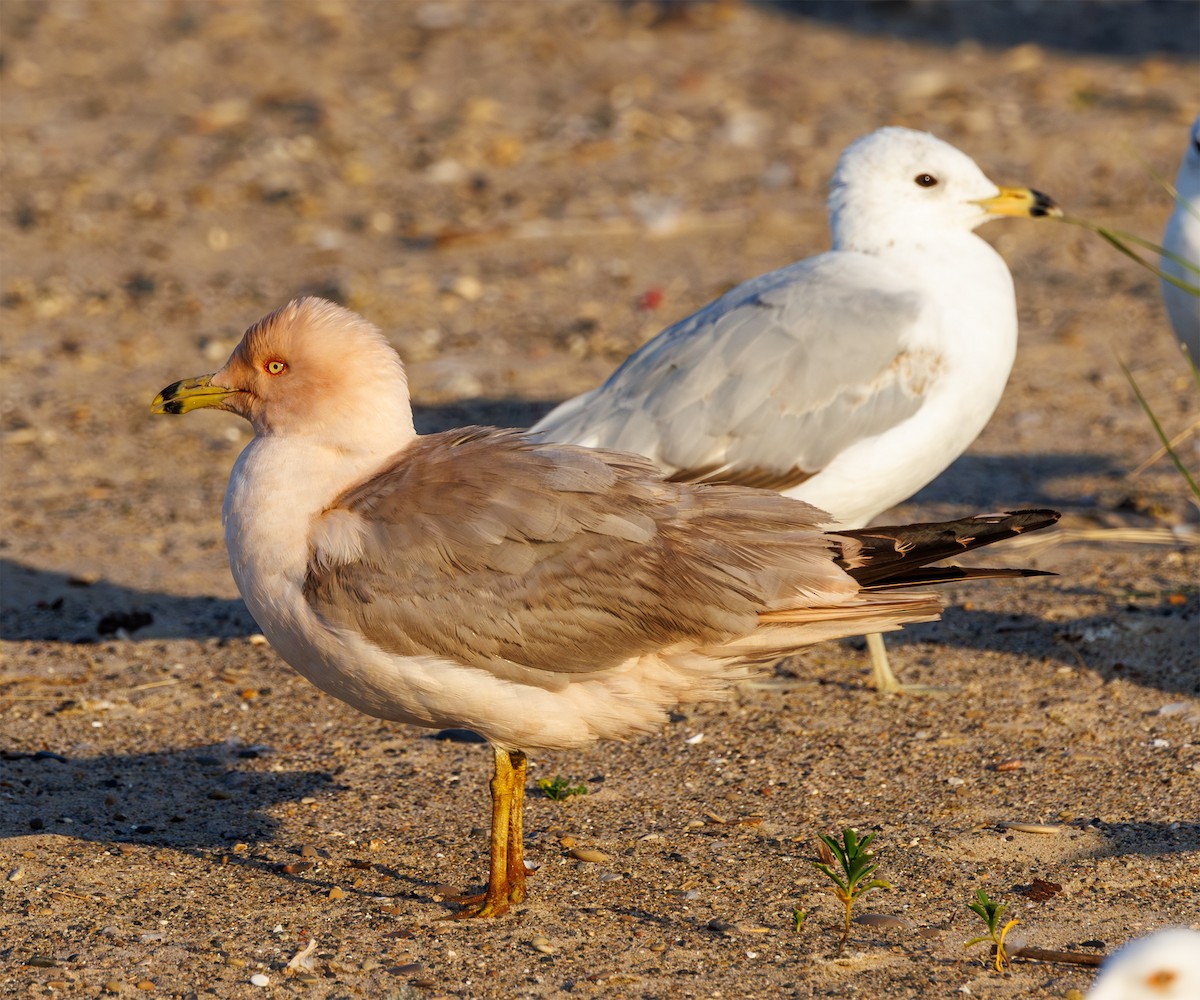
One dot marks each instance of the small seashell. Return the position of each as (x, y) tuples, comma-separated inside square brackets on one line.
[(1031, 827), (467, 287), (588, 854), (541, 944), (258, 979), (303, 960), (1174, 708)]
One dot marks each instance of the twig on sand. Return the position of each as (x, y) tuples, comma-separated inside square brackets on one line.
[(1051, 955)]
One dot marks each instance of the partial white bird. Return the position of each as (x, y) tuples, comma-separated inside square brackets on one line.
[(850, 379), (1164, 965), (1182, 238), (542, 595)]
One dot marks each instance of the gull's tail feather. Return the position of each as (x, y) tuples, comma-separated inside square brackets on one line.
[(887, 556), (785, 630)]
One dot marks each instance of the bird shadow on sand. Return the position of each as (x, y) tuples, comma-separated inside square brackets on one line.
[(1133, 644), (1107, 29), (981, 483), (1148, 839), (208, 802), (190, 798), (482, 412), (47, 606)]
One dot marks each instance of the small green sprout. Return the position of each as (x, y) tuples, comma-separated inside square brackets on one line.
[(991, 912), (559, 788), (856, 866), (798, 918)]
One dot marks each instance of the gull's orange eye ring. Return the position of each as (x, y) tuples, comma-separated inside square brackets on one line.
[(275, 366)]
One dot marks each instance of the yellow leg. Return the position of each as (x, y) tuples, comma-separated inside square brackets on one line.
[(885, 681), (506, 871), (516, 836), (881, 671)]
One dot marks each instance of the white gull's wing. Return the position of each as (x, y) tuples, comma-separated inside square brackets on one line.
[(481, 547), (769, 383)]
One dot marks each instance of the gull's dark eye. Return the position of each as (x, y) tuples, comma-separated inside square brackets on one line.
[(925, 180)]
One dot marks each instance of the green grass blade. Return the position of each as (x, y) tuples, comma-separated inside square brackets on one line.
[(1163, 183), (1120, 241), (1162, 435)]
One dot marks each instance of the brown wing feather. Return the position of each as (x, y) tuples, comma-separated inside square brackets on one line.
[(484, 547), (756, 477)]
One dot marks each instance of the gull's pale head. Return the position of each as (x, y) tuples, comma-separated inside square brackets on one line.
[(898, 187), (310, 369)]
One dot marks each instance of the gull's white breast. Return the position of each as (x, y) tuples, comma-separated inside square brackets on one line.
[(969, 323)]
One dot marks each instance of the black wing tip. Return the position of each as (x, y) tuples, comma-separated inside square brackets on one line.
[(1039, 516), (1024, 519), (930, 576), (892, 555), (1043, 514)]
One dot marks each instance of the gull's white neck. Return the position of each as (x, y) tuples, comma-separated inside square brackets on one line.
[(279, 486), (980, 293), (880, 234)]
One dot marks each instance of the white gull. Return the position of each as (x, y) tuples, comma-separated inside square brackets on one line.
[(850, 379)]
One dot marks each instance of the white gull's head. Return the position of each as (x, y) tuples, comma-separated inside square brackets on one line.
[(898, 187)]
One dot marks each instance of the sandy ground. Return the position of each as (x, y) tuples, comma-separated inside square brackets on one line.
[(519, 194)]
